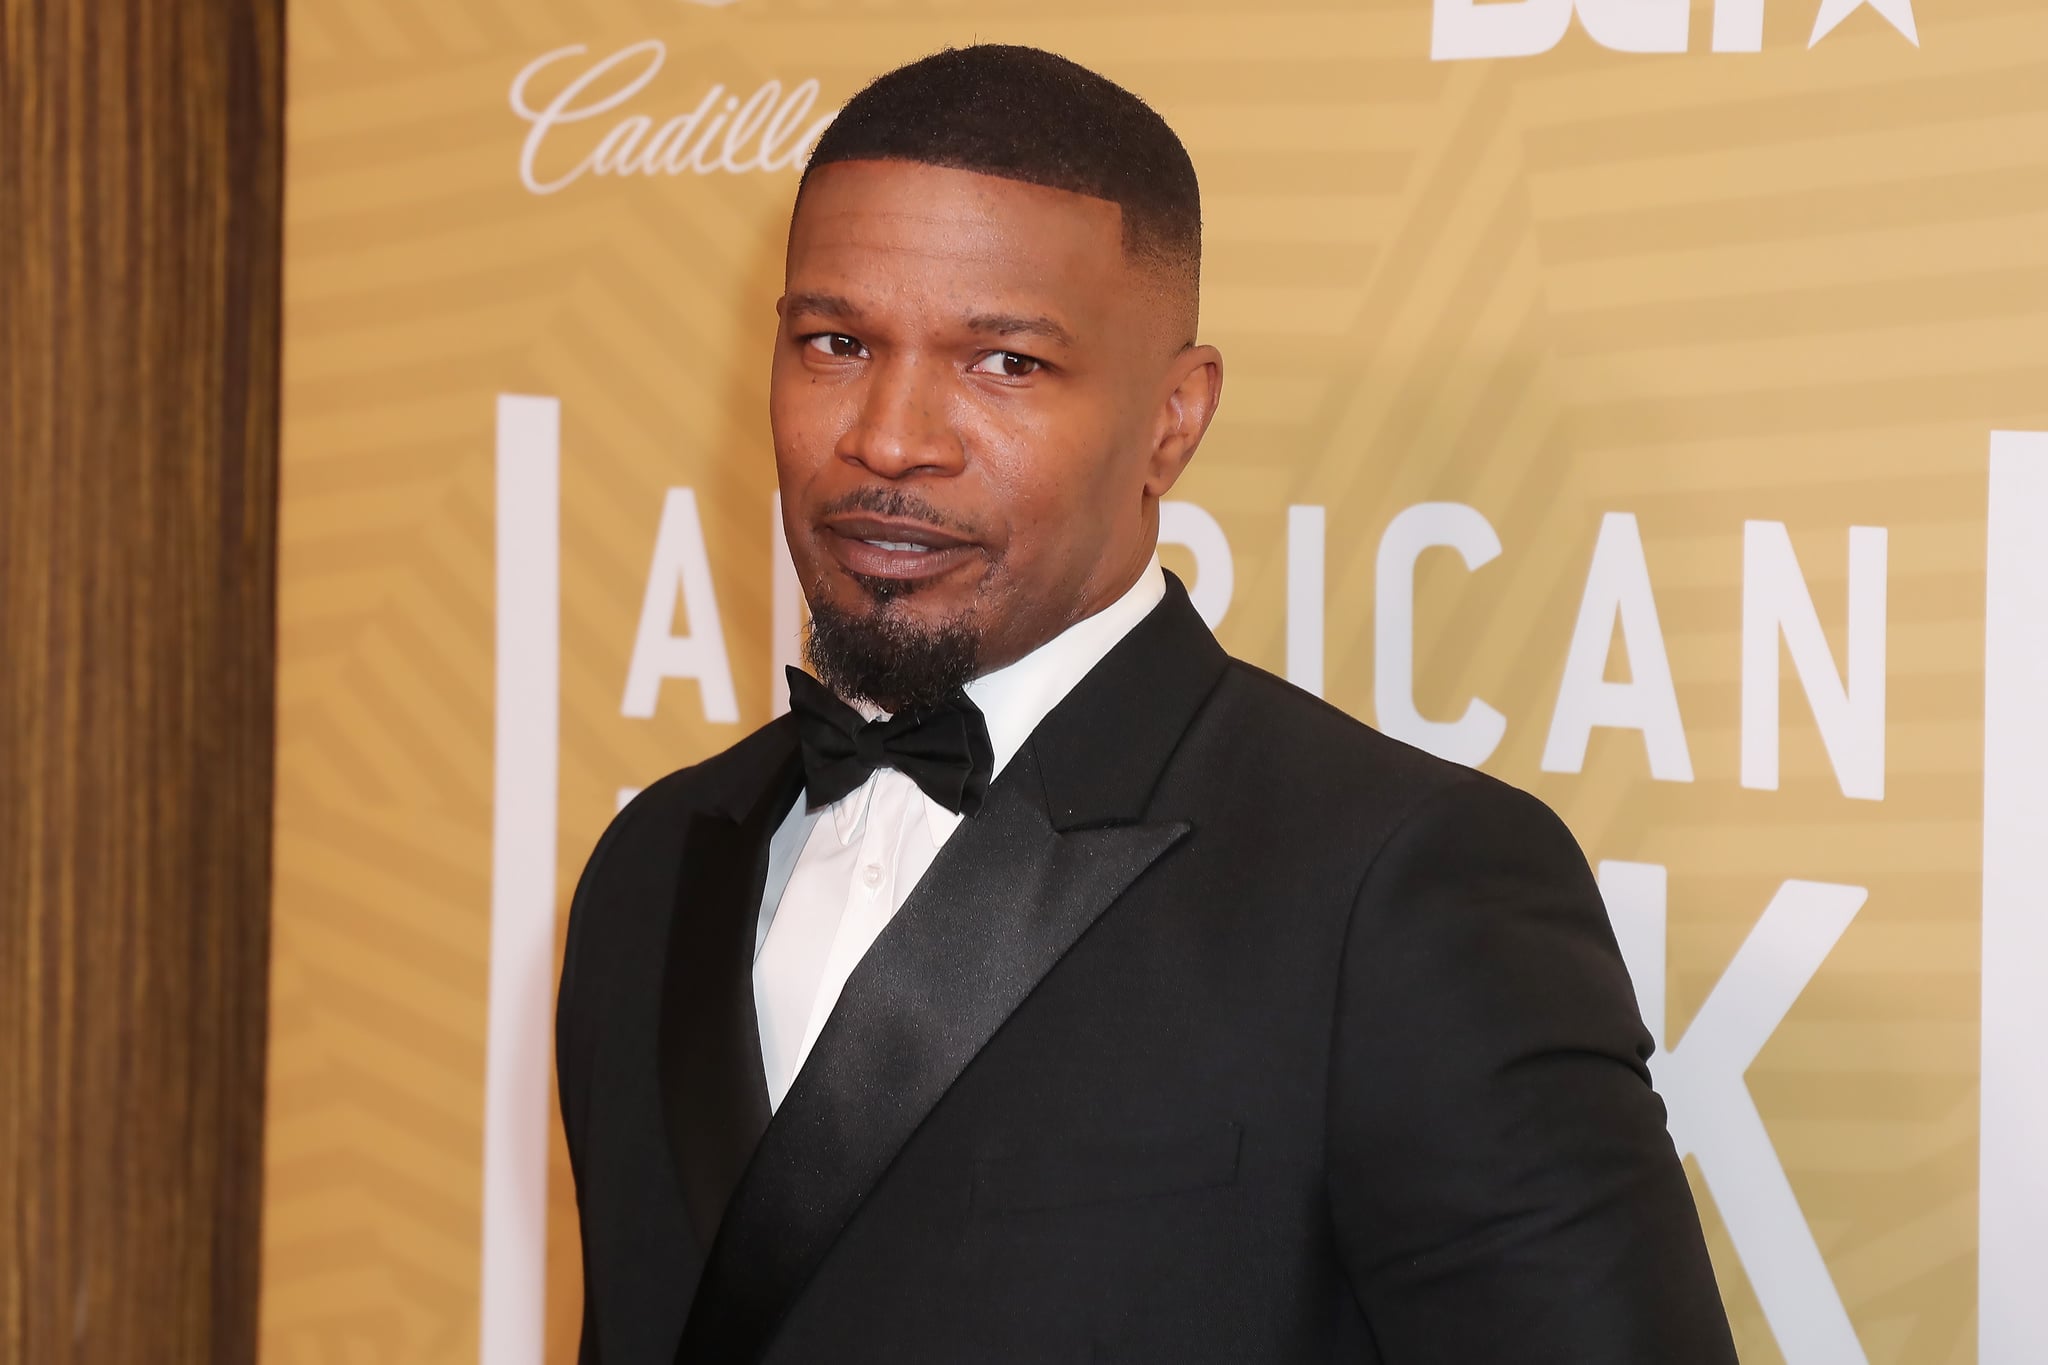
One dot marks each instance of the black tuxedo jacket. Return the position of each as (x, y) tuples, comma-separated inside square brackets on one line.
[(1228, 1031)]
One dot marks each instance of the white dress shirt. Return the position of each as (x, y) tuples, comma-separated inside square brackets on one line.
[(836, 876)]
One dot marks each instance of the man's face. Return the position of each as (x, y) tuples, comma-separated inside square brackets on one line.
[(977, 401)]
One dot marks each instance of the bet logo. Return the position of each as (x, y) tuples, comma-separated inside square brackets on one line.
[(1465, 30)]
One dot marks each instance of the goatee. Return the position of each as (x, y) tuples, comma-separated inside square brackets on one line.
[(888, 658)]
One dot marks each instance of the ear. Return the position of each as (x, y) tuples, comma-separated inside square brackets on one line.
[(1195, 386)]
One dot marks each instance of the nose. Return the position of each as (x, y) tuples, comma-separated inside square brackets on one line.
[(902, 428)]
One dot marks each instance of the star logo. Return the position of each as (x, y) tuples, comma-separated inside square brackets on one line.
[(1898, 13)]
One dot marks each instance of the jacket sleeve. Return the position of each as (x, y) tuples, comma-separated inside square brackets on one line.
[(1502, 1184)]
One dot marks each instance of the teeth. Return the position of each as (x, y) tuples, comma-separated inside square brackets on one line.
[(899, 545)]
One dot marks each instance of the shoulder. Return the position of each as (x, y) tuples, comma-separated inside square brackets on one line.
[(639, 850), (1326, 751), (656, 815), (1436, 855), (619, 915), (1363, 787)]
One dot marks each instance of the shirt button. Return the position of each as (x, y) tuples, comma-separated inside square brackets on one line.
[(872, 875)]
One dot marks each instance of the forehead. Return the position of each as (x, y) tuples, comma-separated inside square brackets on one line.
[(902, 230)]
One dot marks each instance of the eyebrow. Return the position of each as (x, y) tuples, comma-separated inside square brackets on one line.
[(1011, 325), (842, 309), (824, 305)]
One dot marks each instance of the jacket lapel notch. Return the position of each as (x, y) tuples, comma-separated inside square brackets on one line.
[(1102, 750)]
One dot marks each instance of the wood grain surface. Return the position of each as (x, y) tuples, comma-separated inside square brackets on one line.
[(140, 191)]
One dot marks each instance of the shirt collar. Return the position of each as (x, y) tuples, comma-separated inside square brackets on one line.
[(1016, 697)]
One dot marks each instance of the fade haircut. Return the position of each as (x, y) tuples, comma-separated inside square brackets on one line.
[(1025, 114)]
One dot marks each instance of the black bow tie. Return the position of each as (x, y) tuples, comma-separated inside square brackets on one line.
[(945, 751)]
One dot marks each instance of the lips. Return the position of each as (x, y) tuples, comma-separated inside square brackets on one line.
[(880, 547)]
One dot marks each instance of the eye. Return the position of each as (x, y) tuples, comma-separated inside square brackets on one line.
[(837, 345), (1007, 364)]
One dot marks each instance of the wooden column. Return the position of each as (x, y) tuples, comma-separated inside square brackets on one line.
[(140, 188)]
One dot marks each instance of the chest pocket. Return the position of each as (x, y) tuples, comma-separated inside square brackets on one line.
[(1111, 1170)]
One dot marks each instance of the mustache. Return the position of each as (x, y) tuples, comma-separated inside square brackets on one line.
[(897, 503)]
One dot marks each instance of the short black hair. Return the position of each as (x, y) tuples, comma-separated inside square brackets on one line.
[(1022, 113)]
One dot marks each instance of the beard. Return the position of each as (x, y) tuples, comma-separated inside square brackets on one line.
[(887, 658), (881, 653)]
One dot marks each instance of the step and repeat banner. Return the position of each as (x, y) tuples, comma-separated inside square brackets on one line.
[(1644, 400)]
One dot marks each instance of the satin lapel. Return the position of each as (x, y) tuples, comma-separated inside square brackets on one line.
[(1004, 900), (712, 1084)]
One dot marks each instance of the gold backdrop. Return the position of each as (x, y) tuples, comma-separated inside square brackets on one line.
[(1708, 345)]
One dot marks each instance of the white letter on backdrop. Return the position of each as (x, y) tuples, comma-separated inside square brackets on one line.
[(1850, 715), (1305, 598), (1637, 25), (1618, 587), (1188, 525), (682, 568), (2012, 1198), (1466, 29), (560, 110), (1738, 25), (525, 777), (1473, 737), (1713, 1115)]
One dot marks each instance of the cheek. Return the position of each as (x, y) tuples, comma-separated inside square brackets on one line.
[(805, 419), (1059, 501)]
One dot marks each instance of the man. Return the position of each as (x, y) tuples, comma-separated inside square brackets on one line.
[(1049, 986)]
